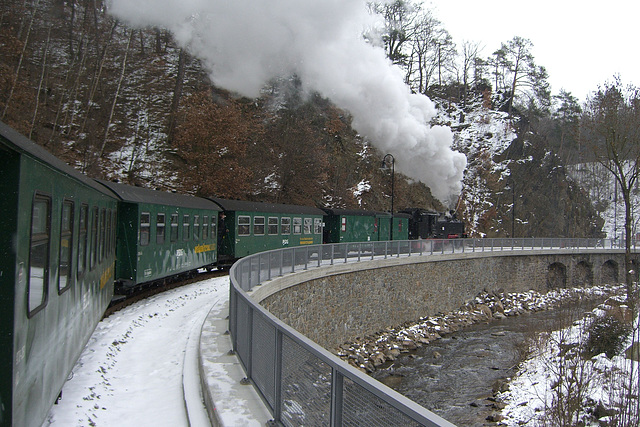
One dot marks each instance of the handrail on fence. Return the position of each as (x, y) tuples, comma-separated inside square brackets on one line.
[(304, 384)]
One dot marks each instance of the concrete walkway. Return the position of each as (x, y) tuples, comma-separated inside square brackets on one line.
[(229, 401)]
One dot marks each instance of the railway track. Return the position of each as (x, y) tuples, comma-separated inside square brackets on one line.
[(121, 301)]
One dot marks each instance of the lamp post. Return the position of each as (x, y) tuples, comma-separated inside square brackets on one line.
[(513, 210), (393, 167)]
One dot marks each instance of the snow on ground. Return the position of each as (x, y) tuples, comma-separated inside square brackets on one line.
[(131, 371), (595, 382)]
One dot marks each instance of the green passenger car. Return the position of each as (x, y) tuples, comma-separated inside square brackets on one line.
[(400, 226), (251, 227), (162, 234), (346, 226), (57, 244)]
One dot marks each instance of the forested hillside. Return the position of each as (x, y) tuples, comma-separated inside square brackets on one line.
[(129, 104)]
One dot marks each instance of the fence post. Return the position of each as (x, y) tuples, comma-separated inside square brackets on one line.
[(336, 398), (277, 374), (269, 266), (306, 257)]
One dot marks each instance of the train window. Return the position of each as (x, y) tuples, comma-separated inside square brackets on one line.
[(39, 254), (174, 227), (186, 227), (244, 225), (258, 226), (94, 238), (317, 225), (160, 227), (297, 225), (66, 240), (213, 227), (82, 239), (285, 226), (103, 232), (343, 226), (308, 223), (205, 227), (145, 228), (196, 227), (273, 225), (107, 243), (113, 231)]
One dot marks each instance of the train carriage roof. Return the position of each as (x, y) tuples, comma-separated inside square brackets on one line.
[(245, 206), (129, 193), (13, 140), (354, 212)]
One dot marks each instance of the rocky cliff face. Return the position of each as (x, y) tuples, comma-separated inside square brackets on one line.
[(514, 184)]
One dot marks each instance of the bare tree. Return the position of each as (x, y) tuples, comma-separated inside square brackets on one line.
[(470, 51), (399, 17), (115, 97), (42, 74), (22, 56), (433, 51), (612, 118)]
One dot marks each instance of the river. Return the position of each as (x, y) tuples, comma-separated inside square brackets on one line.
[(456, 376)]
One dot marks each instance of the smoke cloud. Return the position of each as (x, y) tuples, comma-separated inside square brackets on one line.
[(246, 43)]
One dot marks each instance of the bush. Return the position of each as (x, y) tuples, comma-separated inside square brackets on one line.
[(606, 335)]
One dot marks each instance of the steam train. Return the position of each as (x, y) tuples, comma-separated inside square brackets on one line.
[(68, 241)]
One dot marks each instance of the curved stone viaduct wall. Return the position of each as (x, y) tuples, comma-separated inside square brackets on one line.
[(337, 304)]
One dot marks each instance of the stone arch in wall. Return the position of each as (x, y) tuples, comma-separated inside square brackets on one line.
[(609, 272), (557, 276), (582, 275)]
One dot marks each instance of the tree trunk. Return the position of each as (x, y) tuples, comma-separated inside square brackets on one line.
[(97, 75), (44, 63), (24, 48), (630, 274), (177, 94), (115, 97)]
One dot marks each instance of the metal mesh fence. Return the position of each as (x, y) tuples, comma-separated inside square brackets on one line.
[(306, 387), (263, 357), (243, 331), (295, 376), (363, 408)]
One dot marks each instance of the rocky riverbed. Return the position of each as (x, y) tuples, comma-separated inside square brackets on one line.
[(456, 363), (370, 352)]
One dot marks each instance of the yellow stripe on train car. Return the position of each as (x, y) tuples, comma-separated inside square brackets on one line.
[(106, 275), (205, 248)]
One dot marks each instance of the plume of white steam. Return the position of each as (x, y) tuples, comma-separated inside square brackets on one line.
[(245, 43)]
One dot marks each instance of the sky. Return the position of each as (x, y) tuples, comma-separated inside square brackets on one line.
[(583, 44)]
